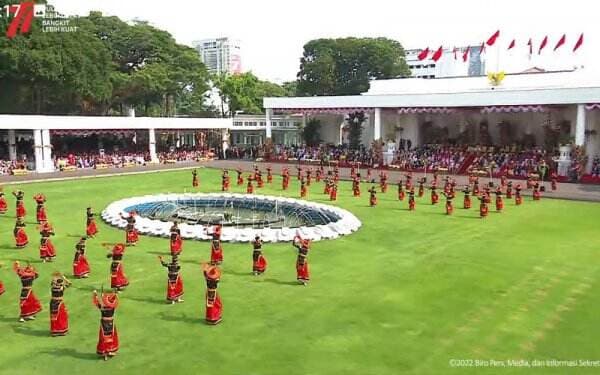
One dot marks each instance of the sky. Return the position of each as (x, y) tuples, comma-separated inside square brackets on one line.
[(272, 33)]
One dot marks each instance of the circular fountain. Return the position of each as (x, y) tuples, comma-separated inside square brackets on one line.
[(275, 219)]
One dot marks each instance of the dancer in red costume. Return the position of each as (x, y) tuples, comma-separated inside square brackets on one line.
[(302, 273), (21, 239), (299, 172), (356, 185), (303, 189), (240, 178), (176, 242), (260, 183), (409, 184), (333, 192), (372, 196), (483, 207), (269, 174), (467, 198), (214, 305), (383, 182), (40, 212), (3, 203), (509, 188), (2, 290), (225, 180), (401, 194), (503, 181), (412, 204), (81, 267), (108, 337), (195, 182), (259, 263), (421, 190), (449, 207), (249, 186), (90, 226), (118, 280), (47, 250), (29, 303), (285, 181), (518, 197), (308, 176), (20, 211), (499, 201), (435, 198), (554, 180), (59, 317), (476, 186), (216, 252), (174, 280), (318, 174), (131, 234)]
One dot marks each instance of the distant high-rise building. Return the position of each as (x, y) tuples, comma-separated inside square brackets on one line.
[(220, 55), (447, 65)]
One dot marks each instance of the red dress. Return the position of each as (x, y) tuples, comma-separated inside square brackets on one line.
[(214, 306), (47, 249), (3, 205), (41, 215), (108, 337), (81, 266), (59, 317), (21, 239), (249, 188), (132, 237), (333, 195), (467, 202), (373, 200), (176, 244), (483, 210), (118, 279), (175, 288), (216, 252), (1, 288), (21, 212), (29, 303), (499, 204), (449, 208)]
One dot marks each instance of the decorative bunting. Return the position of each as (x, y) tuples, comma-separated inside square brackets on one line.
[(579, 43), (423, 54), (543, 44), (492, 39), (436, 56), (465, 55), (512, 44), (561, 41)]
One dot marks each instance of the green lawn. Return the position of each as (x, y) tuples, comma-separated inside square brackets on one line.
[(405, 294)]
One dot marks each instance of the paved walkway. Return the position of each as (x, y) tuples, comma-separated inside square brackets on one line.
[(583, 192)]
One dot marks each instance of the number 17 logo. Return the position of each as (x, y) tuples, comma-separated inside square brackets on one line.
[(23, 16)]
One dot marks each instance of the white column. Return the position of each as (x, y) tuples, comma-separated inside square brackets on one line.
[(38, 150), (580, 125), (152, 145), (268, 115), (377, 125), (12, 145), (225, 141), (47, 151)]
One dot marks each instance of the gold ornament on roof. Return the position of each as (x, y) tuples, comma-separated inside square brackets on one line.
[(495, 78)]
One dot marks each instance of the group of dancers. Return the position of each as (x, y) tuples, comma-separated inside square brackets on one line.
[(107, 301), (406, 187)]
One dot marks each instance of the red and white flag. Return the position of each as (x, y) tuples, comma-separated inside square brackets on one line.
[(512, 44), (579, 43), (454, 51), (466, 54), (492, 39), (423, 54), (543, 44), (437, 54), (560, 42)]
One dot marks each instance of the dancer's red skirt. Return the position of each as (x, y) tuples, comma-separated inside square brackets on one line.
[(30, 305), (59, 322), (214, 312), (81, 267), (109, 343), (175, 289), (118, 278)]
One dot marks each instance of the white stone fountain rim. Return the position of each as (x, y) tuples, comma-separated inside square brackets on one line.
[(347, 223)]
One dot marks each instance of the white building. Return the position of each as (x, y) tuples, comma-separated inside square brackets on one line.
[(407, 109), (220, 55), (250, 130), (447, 65)]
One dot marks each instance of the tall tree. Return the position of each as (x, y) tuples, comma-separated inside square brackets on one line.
[(355, 122), (345, 66)]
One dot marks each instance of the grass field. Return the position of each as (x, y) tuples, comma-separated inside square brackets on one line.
[(405, 294)]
